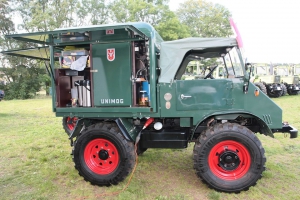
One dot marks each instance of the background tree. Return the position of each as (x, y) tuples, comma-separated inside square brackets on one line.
[(205, 19), (93, 12), (154, 12), (24, 76), (6, 27), (45, 15)]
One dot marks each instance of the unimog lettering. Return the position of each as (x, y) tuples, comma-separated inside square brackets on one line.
[(194, 75), (112, 101)]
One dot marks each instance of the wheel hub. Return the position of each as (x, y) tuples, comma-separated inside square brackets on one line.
[(229, 160), (103, 154)]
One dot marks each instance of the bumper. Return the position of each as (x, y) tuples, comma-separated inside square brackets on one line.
[(275, 87), (295, 88), (286, 128)]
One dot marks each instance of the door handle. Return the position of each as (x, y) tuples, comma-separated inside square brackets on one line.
[(182, 96)]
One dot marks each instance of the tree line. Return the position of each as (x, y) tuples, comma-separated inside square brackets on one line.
[(193, 18)]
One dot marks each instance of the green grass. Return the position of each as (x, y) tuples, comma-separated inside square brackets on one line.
[(35, 162)]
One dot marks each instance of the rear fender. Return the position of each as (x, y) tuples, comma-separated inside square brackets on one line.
[(127, 129)]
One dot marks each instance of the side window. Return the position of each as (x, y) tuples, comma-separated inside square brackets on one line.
[(214, 63), (193, 70)]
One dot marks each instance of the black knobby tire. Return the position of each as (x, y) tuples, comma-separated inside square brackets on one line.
[(229, 157), (68, 124), (262, 87), (284, 89), (102, 155)]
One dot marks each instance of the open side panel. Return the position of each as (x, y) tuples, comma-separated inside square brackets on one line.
[(41, 53), (58, 36)]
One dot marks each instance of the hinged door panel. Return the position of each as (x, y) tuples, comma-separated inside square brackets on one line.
[(111, 74)]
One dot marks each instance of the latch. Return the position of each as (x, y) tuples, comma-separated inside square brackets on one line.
[(229, 101), (229, 86), (182, 96)]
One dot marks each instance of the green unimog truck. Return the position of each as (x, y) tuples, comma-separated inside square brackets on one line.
[(124, 86)]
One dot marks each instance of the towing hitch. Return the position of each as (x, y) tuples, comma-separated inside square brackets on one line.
[(286, 128)]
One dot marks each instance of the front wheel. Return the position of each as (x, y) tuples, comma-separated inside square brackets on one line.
[(102, 155), (229, 157)]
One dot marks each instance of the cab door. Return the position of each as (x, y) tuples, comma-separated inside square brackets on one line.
[(204, 94)]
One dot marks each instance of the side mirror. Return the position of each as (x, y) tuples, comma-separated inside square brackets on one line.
[(246, 66)]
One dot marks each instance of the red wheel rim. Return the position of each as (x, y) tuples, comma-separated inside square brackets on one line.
[(101, 156), (71, 122), (229, 160)]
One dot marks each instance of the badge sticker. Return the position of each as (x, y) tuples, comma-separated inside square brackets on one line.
[(110, 54), (110, 32)]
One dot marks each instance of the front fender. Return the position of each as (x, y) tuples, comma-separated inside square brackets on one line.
[(263, 127)]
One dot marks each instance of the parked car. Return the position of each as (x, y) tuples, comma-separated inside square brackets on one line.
[(1, 94)]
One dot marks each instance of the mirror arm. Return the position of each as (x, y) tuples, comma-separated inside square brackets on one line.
[(246, 85)]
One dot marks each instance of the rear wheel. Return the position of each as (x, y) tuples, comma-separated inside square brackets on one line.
[(229, 157), (102, 155), (69, 124)]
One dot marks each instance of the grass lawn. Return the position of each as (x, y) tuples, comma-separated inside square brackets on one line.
[(35, 162)]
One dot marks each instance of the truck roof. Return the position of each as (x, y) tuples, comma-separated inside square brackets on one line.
[(139, 28), (173, 52)]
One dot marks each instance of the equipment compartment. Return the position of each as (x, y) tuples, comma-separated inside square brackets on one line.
[(64, 84)]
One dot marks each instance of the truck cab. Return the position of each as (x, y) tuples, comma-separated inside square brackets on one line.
[(289, 78)]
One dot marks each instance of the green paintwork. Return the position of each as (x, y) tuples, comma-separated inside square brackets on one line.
[(52, 37), (119, 34), (221, 98), (228, 100), (131, 129), (185, 122), (111, 79), (204, 94)]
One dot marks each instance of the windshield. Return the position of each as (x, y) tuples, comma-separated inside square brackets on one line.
[(282, 71), (233, 64), (297, 70), (261, 70)]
